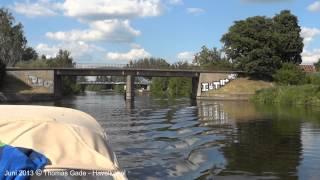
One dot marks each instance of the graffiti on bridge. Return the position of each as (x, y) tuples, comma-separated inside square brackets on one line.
[(39, 82), (206, 86)]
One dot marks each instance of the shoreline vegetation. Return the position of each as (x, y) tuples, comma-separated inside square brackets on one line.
[(306, 92), (290, 95)]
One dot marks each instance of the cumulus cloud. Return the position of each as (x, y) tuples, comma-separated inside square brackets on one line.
[(314, 7), (195, 11), (78, 49), (108, 30), (110, 9), (39, 8), (186, 56), (133, 54), (310, 56), (93, 9), (309, 34)]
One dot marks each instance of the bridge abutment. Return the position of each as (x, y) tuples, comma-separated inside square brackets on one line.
[(129, 88)]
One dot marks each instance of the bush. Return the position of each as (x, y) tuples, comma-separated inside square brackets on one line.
[(2, 71), (179, 87), (119, 88), (290, 95), (38, 63), (317, 65), (159, 86), (290, 74), (314, 78), (69, 86)]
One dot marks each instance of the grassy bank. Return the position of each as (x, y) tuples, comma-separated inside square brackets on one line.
[(240, 86), (290, 95)]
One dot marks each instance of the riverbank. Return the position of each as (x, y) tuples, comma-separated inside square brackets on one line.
[(290, 95), (19, 97)]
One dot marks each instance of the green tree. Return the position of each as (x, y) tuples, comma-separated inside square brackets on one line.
[(12, 39), (29, 54), (62, 59), (159, 86), (181, 65), (149, 63), (207, 56), (212, 58), (179, 87), (287, 40), (290, 74), (259, 45)]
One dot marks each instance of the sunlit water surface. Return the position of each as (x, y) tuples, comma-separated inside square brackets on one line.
[(163, 139)]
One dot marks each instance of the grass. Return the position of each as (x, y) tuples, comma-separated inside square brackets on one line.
[(290, 95)]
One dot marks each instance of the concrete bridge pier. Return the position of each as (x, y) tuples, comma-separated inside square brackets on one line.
[(129, 88), (57, 86), (195, 85)]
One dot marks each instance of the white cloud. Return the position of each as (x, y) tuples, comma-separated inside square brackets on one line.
[(39, 8), (309, 34), (92, 9), (195, 11), (133, 54), (78, 49), (186, 56), (107, 30), (110, 9), (310, 57), (314, 7)]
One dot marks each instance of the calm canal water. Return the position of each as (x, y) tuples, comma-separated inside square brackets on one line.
[(162, 139)]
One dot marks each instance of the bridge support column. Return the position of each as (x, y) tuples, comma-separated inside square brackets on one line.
[(130, 88), (195, 84), (57, 84)]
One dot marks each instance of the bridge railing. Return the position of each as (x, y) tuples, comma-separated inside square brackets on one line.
[(100, 66), (137, 66)]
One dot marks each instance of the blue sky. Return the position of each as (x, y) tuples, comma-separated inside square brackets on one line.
[(115, 31)]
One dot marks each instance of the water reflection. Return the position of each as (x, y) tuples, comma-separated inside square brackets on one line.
[(164, 139)]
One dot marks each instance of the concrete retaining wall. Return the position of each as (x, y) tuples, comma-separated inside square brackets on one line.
[(39, 79), (208, 78), (216, 77)]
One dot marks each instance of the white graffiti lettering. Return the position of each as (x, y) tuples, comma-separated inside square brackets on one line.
[(39, 82), (206, 86)]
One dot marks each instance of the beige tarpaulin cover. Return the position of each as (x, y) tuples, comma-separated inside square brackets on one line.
[(69, 138)]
